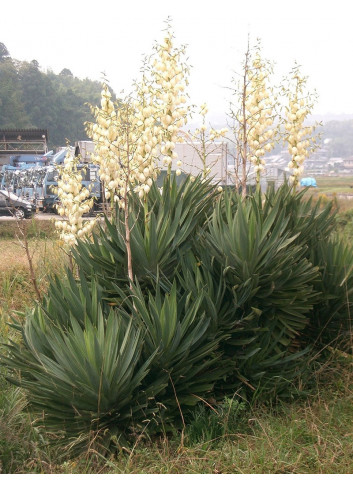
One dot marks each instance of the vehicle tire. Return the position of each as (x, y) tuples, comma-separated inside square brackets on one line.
[(19, 213)]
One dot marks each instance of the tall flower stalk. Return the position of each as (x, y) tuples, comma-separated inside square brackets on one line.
[(126, 141), (130, 134), (260, 107), (170, 74), (298, 136), (253, 113)]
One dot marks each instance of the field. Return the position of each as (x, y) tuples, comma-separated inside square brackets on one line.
[(311, 432), (339, 188), (335, 185)]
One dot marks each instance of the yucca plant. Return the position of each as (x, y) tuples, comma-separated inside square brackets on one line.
[(82, 369), (183, 337), (158, 238), (311, 222), (314, 224), (86, 351), (270, 286), (92, 369), (228, 294), (331, 318)]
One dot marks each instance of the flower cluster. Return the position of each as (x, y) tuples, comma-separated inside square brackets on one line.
[(148, 137), (126, 140), (74, 201), (170, 75), (130, 135), (218, 133), (260, 107), (298, 136)]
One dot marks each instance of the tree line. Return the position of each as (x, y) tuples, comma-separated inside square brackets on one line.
[(31, 98)]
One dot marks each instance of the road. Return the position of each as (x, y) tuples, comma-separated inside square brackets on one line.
[(40, 216)]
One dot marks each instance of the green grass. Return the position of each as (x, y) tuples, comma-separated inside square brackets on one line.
[(343, 185), (338, 188), (35, 229), (312, 436)]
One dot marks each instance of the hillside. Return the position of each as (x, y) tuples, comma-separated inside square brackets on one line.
[(31, 98)]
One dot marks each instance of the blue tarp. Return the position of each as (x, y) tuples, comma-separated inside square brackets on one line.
[(308, 182)]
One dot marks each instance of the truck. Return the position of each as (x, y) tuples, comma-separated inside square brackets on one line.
[(46, 197), (34, 176), (19, 175), (29, 160)]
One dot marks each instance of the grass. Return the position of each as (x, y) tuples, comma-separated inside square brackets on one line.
[(339, 189), (34, 228), (16, 286), (335, 185), (311, 434)]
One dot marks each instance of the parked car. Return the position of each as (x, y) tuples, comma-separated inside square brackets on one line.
[(18, 207)]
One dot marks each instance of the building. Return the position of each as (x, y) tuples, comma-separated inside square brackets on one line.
[(22, 141), (348, 165), (271, 176), (192, 163)]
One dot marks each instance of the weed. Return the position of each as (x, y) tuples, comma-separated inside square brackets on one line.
[(208, 424), (34, 228)]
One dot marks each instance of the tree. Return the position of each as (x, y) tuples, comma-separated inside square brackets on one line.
[(4, 54), (65, 72), (57, 102), (38, 96), (338, 138), (12, 109), (31, 98)]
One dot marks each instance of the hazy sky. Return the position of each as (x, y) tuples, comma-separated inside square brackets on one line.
[(112, 36)]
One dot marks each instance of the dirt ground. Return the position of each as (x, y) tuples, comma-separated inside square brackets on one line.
[(12, 255)]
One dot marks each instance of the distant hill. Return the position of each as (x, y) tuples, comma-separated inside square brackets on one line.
[(336, 132), (337, 138), (30, 98), (329, 116)]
